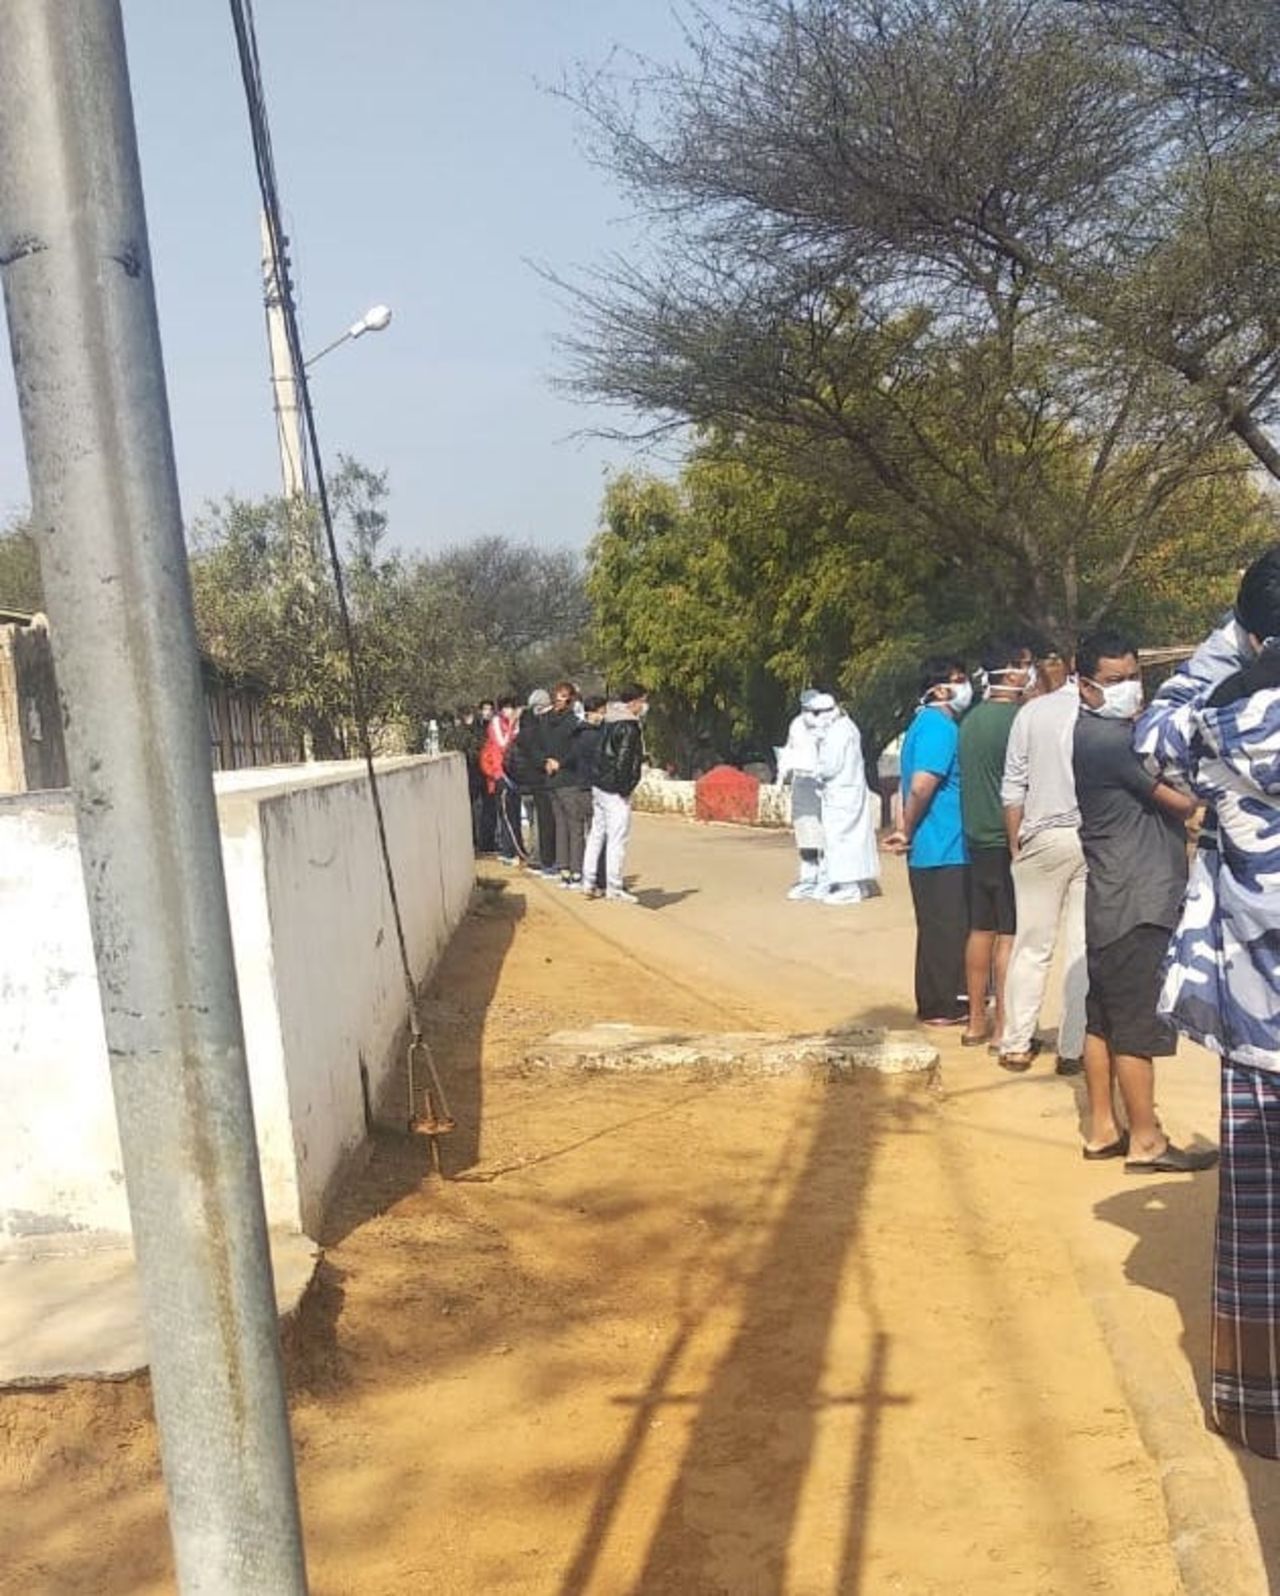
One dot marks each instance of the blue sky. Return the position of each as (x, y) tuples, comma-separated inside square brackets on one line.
[(421, 164)]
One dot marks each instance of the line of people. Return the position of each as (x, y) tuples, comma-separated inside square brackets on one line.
[(1069, 815), (551, 782)]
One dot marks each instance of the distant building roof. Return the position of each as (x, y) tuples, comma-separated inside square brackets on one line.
[(208, 666)]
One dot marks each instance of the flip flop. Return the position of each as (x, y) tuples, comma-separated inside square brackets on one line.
[(1115, 1149), (1173, 1161), (974, 1041)]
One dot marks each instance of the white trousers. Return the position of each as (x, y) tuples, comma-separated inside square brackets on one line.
[(1048, 885), (610, 828)]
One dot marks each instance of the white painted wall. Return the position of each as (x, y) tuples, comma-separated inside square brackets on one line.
[(659, 794), (316, 960), (339, 989)]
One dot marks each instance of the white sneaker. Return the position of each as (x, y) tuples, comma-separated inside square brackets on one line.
[(803, 889), (621, 895), (843, 894)]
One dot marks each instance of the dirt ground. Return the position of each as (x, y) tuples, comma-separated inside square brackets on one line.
[(662, 1336)]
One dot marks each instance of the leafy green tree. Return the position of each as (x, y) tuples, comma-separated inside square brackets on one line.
[(431, 632), (1108, 163), (733, 587), (20, 585)]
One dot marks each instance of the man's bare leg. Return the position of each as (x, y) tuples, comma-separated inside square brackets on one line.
[(1136, 1077), (1003, 954), (977, 969), (1100, 1088)]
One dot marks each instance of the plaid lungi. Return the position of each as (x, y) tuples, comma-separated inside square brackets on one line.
[(1246, 1283)]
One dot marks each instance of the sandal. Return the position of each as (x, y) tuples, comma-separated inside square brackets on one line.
[(974, 1041), (1115, 1149), (1173, 1161), (1015, 1063)]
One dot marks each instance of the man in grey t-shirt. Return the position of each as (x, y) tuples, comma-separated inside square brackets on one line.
[(1132, 829)]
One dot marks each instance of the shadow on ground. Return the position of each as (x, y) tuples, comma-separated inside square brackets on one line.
[(454, 1008), (731, 1513), (657, 898), (1173, 1226)]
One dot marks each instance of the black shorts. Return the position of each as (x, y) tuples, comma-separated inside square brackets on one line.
[(1124, 983), (991, 902)]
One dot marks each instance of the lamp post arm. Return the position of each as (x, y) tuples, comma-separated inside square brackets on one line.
[(328, 348)]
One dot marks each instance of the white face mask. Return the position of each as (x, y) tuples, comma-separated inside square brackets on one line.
[(1120, 700), (961, 696), (1000, 679)]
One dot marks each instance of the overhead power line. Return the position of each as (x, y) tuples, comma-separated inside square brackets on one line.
[(438, 1119)]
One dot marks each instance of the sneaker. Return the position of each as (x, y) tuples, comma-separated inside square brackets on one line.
[(843, 894), (621, 895), (1069, 1066), (802, 889), (566, 880)]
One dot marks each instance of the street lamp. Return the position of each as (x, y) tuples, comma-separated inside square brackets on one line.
[(293, 463), (375, 319)]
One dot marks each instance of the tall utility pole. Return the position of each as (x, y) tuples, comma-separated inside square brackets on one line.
[(91, 393), (294, 475)]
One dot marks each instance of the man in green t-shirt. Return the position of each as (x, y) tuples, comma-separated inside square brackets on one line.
[(984, 734)]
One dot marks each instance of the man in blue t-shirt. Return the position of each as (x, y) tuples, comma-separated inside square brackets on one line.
[(932, 837)]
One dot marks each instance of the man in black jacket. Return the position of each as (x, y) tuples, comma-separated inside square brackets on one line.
[(570, 801), (527, 767), (618, 766), (465, 736)]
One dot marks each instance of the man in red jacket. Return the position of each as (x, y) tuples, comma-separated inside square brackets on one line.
[(500, 736)]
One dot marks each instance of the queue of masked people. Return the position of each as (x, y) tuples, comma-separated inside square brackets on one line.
[(551, 781), (1143, 841)]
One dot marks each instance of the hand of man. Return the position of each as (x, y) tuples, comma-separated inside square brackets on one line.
[(895, 842)]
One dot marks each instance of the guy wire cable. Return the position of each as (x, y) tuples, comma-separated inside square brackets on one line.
[(439, 1119)]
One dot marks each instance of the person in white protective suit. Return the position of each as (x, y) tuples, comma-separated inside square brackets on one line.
[(798, 764), (851, 858)]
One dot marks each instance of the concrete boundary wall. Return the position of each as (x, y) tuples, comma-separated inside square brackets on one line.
[(316, 960), (664, 795)]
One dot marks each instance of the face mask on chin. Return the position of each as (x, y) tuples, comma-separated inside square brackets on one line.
[(961, 697), (1120, 700)]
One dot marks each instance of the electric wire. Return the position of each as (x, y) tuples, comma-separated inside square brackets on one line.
[(440, 1118)]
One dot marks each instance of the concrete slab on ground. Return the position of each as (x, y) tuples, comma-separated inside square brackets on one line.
[(834, 1054), (76, 1316)]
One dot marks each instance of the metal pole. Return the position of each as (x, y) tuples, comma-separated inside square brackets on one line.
[(82, 321), (284, 388)]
